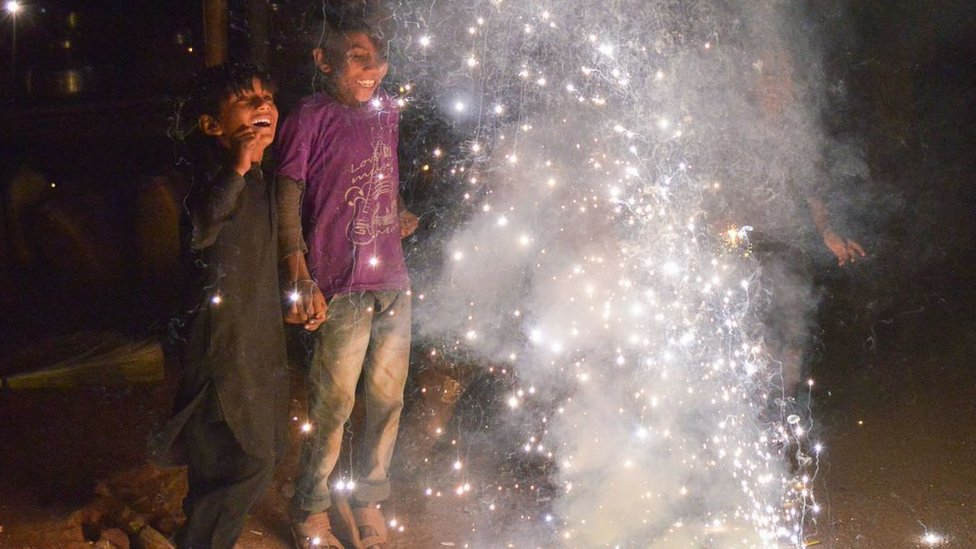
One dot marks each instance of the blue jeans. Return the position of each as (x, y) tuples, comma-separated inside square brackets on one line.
[(366, 333)]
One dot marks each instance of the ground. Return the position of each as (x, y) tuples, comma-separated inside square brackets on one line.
[(892, 405)]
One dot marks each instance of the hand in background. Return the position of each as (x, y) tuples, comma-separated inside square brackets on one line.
[(844, 249), (408, 223)]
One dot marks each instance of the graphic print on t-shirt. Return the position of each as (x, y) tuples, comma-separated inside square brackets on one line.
[(372, 196)]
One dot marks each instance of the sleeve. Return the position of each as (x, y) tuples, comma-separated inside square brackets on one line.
[(294, 140), (289, 199), (214, 207)]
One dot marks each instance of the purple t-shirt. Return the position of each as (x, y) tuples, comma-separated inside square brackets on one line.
[(347, 157)]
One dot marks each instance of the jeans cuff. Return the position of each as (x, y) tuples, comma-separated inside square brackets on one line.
[(372, 492), (302, 506)]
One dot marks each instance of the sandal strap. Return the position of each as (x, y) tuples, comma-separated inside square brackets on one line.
[(316, 526), (372, 519)]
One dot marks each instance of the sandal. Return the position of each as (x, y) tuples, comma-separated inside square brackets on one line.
[(371, 526), (315, 532)]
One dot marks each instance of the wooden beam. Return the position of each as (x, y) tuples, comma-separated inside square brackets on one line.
[(216, 25)]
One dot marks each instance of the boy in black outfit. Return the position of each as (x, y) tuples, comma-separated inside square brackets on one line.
[(231, 406)]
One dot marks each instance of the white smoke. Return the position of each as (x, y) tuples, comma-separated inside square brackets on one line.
[(607, 150)]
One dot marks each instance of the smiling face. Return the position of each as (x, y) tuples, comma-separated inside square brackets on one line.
[(248, 108), (360, 73)]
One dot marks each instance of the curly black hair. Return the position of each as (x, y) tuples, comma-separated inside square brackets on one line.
[(215, 84), (197, 153)]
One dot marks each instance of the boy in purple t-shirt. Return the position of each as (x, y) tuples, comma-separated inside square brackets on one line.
[(339, 150)]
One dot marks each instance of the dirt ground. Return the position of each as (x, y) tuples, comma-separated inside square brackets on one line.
[(62, 451), (899, 427), (893, 407)]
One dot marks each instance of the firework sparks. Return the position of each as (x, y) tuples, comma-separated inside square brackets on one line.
[(584, 262)]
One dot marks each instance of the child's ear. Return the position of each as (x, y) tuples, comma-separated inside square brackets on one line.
[(319, 56), (209, 125)]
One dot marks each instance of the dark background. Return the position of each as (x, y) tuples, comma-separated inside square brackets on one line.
[(90, 157)]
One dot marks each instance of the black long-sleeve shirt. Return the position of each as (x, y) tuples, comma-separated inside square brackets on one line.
[(234, 361)]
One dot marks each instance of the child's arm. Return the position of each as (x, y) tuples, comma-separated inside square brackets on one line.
[(309, 310), (289, 199), (221, 195), (214, 207)]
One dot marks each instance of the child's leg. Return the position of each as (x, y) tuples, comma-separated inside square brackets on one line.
[(386, 375), (337, 363), (225, 482)]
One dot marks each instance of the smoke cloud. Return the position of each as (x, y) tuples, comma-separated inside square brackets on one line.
[(630, 176)]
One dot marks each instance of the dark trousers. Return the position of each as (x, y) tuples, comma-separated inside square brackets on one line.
[(225, 482)]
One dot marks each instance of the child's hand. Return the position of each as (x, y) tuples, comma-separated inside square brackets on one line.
[(319, 312), (242, 143), (844, 249), (307, 305), (408, 223)]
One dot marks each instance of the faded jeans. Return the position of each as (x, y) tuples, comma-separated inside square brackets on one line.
[(365, 334)]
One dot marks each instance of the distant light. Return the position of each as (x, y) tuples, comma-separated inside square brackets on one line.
[(13, 7)]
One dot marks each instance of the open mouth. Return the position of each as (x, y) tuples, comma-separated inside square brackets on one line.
[(261, 122), (366, 83)]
